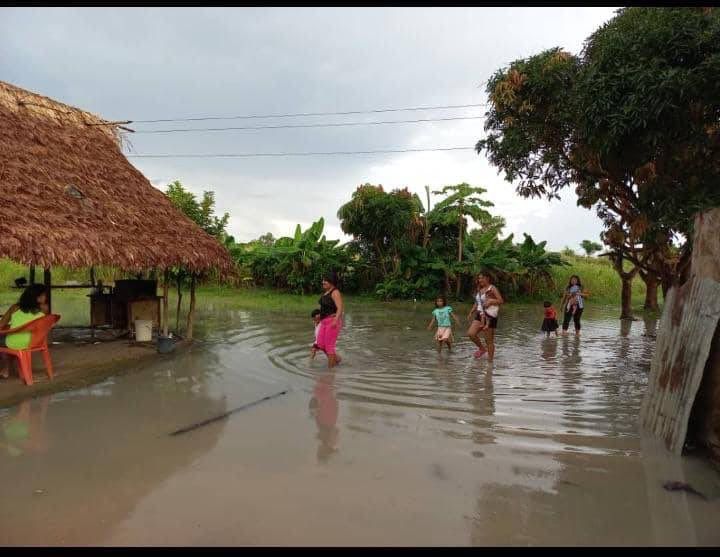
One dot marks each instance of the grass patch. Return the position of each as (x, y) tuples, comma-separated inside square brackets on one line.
[(599, 277)]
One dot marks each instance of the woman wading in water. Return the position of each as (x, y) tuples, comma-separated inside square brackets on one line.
[(573, 304), (484, 315), (331, 314)]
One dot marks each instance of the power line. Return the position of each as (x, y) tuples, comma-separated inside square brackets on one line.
[(299, 114), (306, 154), (323, 125)]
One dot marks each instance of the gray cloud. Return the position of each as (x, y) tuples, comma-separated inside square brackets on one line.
[(140, 63)]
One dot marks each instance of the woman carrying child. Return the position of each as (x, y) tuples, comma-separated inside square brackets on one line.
[(573, 304), (484, 315)]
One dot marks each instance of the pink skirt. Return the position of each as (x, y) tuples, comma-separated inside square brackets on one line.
[(328, 335), (443, 333)]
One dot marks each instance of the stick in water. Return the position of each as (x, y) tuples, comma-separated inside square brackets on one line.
[(225, 415)]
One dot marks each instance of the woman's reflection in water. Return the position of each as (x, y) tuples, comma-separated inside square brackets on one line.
[(571, 352), (324, 407)]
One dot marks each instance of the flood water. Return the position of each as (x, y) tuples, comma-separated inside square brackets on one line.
[(399, 446)]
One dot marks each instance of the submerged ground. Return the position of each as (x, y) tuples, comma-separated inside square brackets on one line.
[(398, 447)]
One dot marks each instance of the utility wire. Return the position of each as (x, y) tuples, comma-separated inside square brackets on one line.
[(306, 154), (299, 114), (325, 125)]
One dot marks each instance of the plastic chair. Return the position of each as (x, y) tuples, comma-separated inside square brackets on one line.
[(39, 329)]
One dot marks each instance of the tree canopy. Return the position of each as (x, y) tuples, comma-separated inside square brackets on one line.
[(202, 212), (633, 123), (590, 247)]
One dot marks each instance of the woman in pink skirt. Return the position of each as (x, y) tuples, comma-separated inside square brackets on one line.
[(331, 314)]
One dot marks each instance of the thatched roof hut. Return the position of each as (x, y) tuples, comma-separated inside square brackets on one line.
[(70, 198)]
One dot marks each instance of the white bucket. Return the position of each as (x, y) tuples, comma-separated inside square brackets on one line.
[(143, 330)]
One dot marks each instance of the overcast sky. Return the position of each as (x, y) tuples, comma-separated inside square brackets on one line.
[(141, 63)]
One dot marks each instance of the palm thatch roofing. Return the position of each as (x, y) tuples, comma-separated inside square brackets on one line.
[(68, 196)]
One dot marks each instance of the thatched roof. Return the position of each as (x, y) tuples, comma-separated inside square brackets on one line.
[(69, 197)]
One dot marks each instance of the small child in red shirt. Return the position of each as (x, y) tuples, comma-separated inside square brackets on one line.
[(550, 322)]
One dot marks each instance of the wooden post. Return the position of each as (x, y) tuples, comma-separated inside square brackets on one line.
[(166, 317), (47, 278), (191, 311), (179, 301), (32, 274), (92, 276)]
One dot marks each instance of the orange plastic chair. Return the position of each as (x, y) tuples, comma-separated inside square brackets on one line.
[(39, 329)]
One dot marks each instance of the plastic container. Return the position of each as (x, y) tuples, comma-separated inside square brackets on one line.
[(143, 330), (165, 345)]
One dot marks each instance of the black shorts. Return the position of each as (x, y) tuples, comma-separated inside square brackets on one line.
[(491, 321)]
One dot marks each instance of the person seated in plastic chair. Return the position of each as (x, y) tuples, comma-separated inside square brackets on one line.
[(32, 305)]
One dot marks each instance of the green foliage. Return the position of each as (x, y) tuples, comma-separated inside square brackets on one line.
[(462, 200), (632, 124), (383, 222), (590, 247), (201, 212), (294, 263)]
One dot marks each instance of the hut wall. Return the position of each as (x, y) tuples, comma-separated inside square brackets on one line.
[(685, 373), (705, 417)]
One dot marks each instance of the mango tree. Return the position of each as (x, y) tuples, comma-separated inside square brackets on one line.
[(632, 123)]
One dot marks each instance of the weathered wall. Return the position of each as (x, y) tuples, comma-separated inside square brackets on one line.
[(705, 416), (684, 385)]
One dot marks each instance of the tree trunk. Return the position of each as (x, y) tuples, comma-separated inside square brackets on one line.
[(166, 317), (626, 296), (460, 249), (626, 278), (179, 302), (47, 279), (426, 236), (665, 286), (191, 311), (380, 257), (460, 233), (651, 291), (447, 282)]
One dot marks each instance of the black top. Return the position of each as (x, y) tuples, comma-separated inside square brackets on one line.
[(327, 305)]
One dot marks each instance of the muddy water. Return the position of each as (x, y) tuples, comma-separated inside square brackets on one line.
[(399, 447)]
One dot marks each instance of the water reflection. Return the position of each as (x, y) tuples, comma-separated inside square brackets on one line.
[(540, 447), (95, 452), (324, 407), (23, 428)]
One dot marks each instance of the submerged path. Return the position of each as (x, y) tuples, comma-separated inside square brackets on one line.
[(398, 447)]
